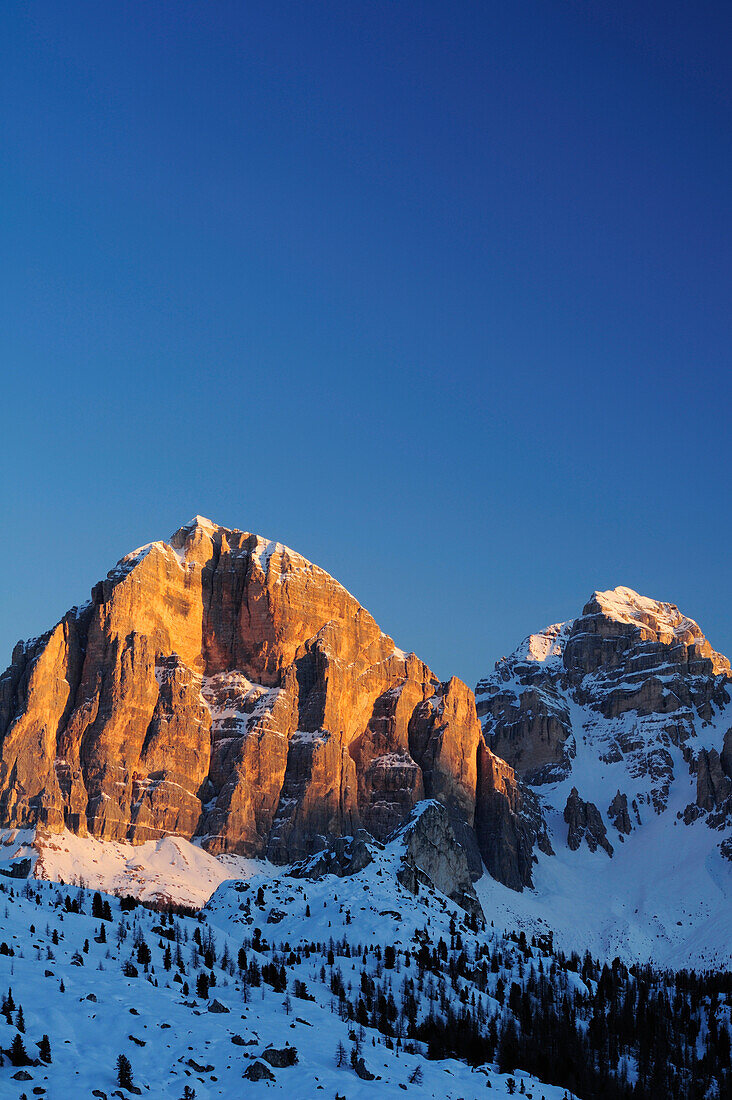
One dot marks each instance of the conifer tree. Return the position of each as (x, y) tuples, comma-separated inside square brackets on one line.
[(124, 1072), (18, 1053)]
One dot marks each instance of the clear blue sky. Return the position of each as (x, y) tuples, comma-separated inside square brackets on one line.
[(436, 293)]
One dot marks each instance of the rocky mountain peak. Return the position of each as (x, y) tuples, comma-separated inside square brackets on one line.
[(620, 620), (200, 541), (608, 713), (613, 625), (199, 521), (221, 687)]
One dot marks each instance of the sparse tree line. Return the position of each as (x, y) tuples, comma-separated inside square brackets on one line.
[(605, 1031)]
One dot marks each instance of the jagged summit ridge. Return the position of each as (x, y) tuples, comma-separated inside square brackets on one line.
[(654, 620), (641, 619), (664, 619), (221, 687)]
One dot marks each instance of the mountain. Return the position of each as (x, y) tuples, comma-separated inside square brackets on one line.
[(221, 688), (288, 819), (621, 723)]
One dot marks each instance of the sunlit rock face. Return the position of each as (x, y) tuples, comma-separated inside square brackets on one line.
[(608, 714), (222, 687)]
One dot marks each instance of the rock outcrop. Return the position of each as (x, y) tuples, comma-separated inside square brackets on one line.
[(713, 787), (221, 687), (345, 855), (433, 856), (280, 1058), (509, 823), (258, 1071), (618, 813), (585, 823)]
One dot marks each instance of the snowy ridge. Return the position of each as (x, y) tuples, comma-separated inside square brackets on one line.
[(128, 563), (169, 870), (545, 646)]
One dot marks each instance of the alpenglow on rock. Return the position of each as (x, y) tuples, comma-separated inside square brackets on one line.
[(222, 687)]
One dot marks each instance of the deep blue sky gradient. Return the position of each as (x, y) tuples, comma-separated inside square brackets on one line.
[(436, 293)]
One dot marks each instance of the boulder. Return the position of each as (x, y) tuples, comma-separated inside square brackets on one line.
[(280, 1058), (258, 1071)]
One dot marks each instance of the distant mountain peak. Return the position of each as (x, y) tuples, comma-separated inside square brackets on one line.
[(641, 618), (621, 721)]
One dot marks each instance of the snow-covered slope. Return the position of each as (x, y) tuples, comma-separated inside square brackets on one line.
[(619, 721), (665, 896), (172, 1040), (72, 988), (170, 871), (302, 982)]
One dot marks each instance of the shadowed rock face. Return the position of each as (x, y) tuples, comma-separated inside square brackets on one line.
[(525, 716), (432, 855), (508, 823), (585, 823), (619, 814), (222, 687)]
